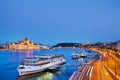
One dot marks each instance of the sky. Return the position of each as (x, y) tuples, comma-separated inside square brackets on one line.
[(54, 21)]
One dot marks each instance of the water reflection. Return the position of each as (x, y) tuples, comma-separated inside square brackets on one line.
[(39, 76), (18, 56), (22, 51)]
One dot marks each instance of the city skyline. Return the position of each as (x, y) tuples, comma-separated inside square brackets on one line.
[(53, 22)]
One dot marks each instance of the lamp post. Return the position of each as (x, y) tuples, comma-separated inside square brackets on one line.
[(115, 66), (108, 59)]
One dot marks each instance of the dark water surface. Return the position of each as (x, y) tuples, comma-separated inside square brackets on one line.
[(9, 60)]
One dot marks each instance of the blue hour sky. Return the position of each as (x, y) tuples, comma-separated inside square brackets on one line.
[(53, 21)]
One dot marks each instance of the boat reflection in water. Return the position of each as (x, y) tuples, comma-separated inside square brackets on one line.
[(39, 76)]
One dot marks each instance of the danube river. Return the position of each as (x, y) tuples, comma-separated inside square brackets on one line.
[(9, 60)]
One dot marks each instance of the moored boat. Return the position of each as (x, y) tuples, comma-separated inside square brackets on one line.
[(39, 63), (78, 55)]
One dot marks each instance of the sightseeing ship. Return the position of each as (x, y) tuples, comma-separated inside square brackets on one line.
[(39, 63)]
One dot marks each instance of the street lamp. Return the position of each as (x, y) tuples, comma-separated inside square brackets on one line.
[(115, 63), (115, 66)]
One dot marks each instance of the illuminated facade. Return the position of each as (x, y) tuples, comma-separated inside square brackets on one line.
[(118, 45), (26, 44)]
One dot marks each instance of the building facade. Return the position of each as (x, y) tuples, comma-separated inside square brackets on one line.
[(26, 44), (118, 45)]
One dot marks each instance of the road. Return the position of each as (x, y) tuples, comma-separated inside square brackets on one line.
[(100, 72), (114, 65), (95, 71), (111, 61)]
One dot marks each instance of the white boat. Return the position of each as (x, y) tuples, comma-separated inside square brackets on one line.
[(39, 63), (78, 55)]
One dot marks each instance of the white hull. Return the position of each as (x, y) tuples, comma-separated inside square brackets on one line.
[(35, 69)]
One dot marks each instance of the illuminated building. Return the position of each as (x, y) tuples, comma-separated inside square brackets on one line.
[(118, 45), (26, 44)]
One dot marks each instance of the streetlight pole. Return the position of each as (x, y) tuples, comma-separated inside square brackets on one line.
[(115, 66)]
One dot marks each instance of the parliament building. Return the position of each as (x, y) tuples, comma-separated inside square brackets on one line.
[(26, 44)]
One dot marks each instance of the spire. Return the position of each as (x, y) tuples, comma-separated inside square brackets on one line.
[(26, 38)]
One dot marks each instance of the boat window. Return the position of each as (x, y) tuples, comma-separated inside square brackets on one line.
[(21, 67)]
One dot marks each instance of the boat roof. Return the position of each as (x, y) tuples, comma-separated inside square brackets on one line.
[(49, 56), (55, 56), (79, 53), (76, 54), (43, 57), (31, 59)]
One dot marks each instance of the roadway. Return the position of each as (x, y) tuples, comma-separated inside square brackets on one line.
[(111, 62), (95, 71), (99, 72)]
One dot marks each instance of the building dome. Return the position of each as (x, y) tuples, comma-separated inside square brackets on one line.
[(26, 39)]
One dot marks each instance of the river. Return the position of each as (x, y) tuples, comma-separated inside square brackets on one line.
[(9, 60)]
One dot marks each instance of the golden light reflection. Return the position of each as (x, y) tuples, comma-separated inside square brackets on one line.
[(47, 76)]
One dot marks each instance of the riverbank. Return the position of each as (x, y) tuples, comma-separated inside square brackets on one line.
[(23, 49), (4, 49), (78, 74)]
